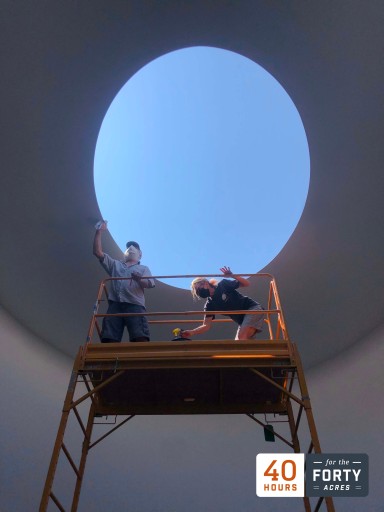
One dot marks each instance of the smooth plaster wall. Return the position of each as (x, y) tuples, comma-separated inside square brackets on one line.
[(33, 379), (347, 395), (174, 464)]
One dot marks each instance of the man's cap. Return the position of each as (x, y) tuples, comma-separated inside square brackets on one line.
[(135, 244)]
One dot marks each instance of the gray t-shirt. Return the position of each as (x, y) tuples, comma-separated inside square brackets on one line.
[(126, 291)]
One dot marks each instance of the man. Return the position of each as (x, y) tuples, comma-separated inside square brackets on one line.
[(124, 296)]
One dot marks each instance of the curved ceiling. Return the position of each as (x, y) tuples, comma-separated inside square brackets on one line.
[(64, 64)]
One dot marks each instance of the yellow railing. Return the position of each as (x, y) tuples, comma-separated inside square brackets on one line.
[(274, 316)]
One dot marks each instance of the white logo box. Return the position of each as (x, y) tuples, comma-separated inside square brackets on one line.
[(280, 475)]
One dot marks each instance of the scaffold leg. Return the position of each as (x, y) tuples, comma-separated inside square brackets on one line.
[(310, 419), (47, 492), (296, 445), (84, 454)]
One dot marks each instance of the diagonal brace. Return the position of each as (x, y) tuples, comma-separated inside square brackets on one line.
[(96, 389), (274, 433), (286, 392), (110, 431)]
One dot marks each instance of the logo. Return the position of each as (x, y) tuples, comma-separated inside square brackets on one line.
[(298, 475), (280, 475), (336, 474)]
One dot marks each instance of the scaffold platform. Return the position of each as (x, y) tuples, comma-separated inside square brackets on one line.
[(188, 377)]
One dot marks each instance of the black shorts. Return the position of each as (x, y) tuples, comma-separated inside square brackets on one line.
[(113, 326)]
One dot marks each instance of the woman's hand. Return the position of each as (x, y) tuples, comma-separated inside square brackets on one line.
[(226, 271)]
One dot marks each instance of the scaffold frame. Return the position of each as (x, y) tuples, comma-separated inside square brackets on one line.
[(265, 371)]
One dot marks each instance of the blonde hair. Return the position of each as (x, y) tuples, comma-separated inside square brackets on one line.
[(196, 282)]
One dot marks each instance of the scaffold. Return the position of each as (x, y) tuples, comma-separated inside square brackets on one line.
[(251, 377)]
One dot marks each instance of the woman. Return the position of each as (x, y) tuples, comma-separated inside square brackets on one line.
[(223, 296)]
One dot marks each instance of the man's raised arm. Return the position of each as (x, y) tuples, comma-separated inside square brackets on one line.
[(97, 246)]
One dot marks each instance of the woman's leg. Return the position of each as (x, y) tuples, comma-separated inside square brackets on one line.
[(245, 333), (252, 324)]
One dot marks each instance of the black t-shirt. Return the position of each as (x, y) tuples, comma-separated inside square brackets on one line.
[(226, 298)]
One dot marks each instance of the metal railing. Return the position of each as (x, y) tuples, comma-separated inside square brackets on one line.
[(274, 316)]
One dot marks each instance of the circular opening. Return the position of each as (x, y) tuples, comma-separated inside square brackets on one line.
[(202, 158)]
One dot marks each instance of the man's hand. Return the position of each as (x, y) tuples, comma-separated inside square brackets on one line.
[(102, 225), (136, 276), (226, 271)]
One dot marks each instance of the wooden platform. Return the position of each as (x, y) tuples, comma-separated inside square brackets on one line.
[(205, 377)]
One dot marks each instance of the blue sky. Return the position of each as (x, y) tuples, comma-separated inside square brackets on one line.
[(202, 158)]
